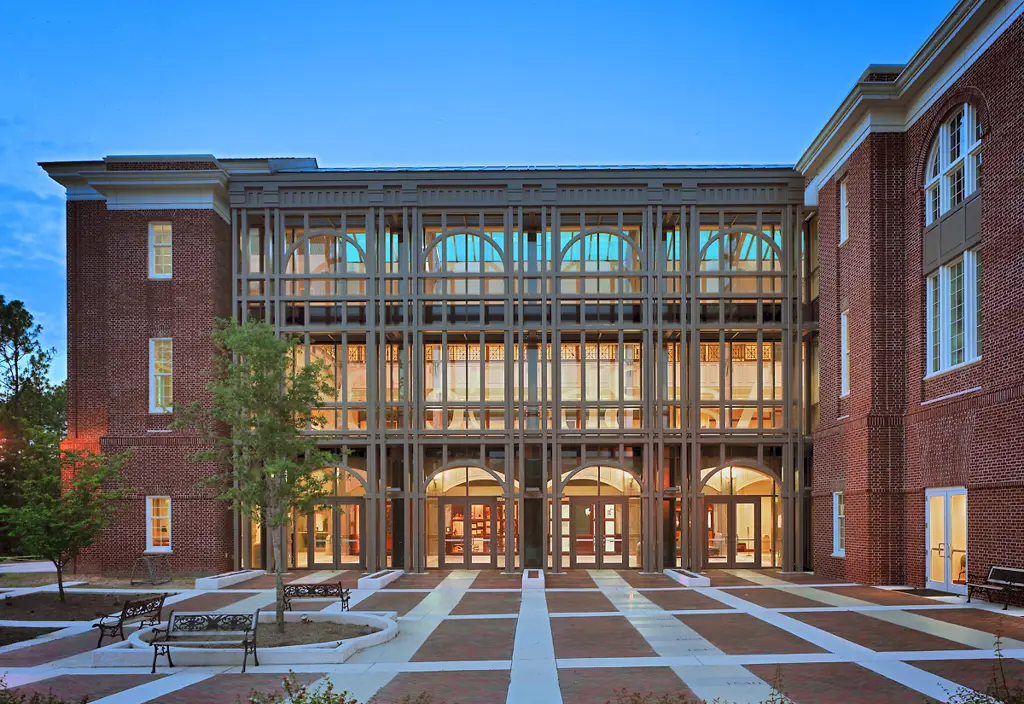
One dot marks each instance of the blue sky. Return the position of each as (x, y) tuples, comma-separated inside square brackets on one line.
[(414, 83)]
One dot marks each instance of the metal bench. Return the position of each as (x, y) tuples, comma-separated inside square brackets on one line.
[(316, 591), (1006, 580), (149, 609), (190, 628)]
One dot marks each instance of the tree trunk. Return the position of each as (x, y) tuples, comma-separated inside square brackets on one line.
[(277, 545), (60, 579)]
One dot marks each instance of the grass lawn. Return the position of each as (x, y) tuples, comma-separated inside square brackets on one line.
[(27, 579)]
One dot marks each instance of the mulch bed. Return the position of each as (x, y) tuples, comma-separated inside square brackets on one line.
[(47, 606), (295, 633), (14, 634)]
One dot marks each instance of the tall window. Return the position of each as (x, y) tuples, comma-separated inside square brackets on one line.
[(158, 523), (953, 171), (161, 364), (159, 250), (838, 524), (954, 313), (844, 362), (844, 212)]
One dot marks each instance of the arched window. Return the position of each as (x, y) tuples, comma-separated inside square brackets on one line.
[(464, 253), (953, 170), (326, 253), (600, 252)]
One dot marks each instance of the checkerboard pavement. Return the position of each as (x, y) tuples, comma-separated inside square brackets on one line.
[(467, 636)]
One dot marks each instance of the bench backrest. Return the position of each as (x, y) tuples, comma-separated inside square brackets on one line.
[(1006, 575), (195, 622), (133, 608), (314, 590)]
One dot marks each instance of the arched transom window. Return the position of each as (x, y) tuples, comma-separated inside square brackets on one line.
[(953, 171)]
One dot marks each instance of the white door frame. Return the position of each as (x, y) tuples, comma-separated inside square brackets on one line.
[(943, 547)]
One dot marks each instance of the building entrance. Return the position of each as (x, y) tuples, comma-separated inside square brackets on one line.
[(731, 528), (331, 536), (597, 530), (470, 530), (946, 529)]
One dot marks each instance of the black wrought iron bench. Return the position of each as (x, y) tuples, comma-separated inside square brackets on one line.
[(1009, 581), (148, 609), (191, 628), (316, 591)]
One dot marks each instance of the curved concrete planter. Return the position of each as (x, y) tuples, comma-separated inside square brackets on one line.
[(135, 652)]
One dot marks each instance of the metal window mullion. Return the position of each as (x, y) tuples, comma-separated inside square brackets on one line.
[(342, 361)]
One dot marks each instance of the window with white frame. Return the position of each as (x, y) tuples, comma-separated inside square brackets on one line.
[(161, 372), (953, 171), (838, 524), (159, 250), (953, 317), (844, 212), (158, 523), (844, 352)]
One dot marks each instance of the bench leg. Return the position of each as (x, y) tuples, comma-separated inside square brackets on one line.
[(255, 657), (100, 641), (969, 590)]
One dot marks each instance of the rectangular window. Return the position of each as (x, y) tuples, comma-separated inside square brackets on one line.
[(161, 365), (158, 523), (953, 315), (844, 332), (956, 313), (844, 212), (838, 524), (934, 324), (956, 187), (159, 250)]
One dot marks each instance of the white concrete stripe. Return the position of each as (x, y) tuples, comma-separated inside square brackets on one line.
[(156, 688), (534, 675)]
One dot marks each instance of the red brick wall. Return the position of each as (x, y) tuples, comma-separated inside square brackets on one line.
[(113, 311), (902, 435)]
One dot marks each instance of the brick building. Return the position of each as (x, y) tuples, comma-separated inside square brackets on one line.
[(643, 367)]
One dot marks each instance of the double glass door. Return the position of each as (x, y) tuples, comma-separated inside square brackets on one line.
[(946, 532), (331, 536), (597, 530), (732, 532), (470, 532)]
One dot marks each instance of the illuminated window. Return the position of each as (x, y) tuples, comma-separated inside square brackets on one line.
[(161, 363), (159, 250), (953, 169), (158, 523)]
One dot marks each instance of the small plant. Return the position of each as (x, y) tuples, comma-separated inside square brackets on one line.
[(297, 693), (999, 690)]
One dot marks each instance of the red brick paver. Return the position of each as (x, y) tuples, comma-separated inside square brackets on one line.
[(222, 689), (573, 579), (491, 579), (836, 683), (883, 597), (210, 601), (269, 581), (578, 602), (73, 688), (428, 580), (634, 578), (598, 637), (980, 619), (58, 649), (469, 639), (803, 578), (775, 598), (683, 600), (979, 675), (473, 603), (874, 633), (589, 685), (724, 579), (743, 634), (472, 687), (402, 602)]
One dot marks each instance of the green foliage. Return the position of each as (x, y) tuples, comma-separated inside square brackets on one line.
[(26, 394), (261, 402), (69, 498), (297, 693), (999, 689)]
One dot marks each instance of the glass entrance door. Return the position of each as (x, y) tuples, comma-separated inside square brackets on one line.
[(331, 536), (469, 526), (731, 526), (946, 536), (323, 538), (597, 530)]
